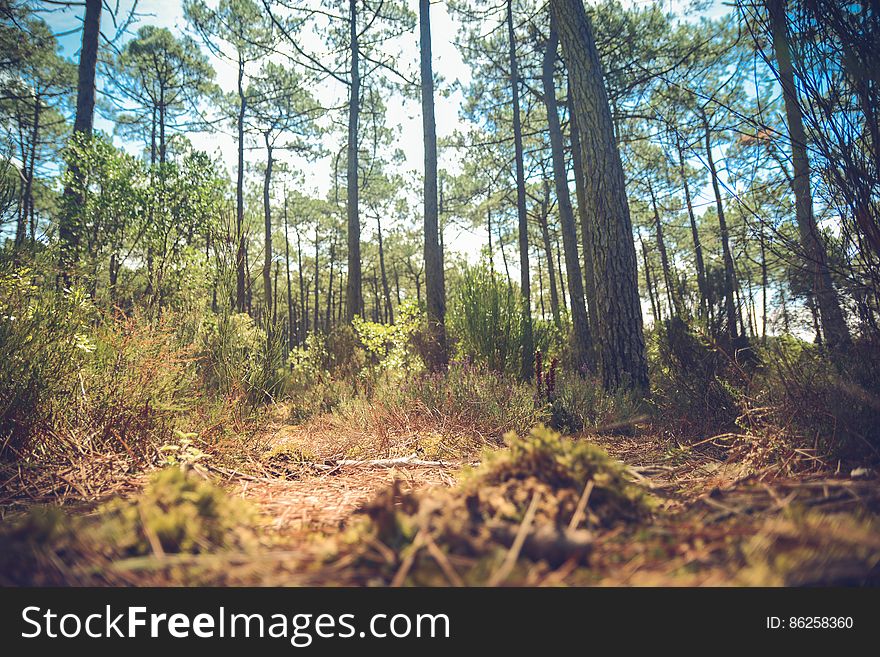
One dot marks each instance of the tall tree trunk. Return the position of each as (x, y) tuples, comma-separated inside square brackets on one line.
[(541, 288), (528, 344), (267, 216), (240, 256), (354, 292), (729, 273), (303, 314), (695, 234), (328, 321), (317, 311), (584, 216), (562, 291), (763, 284), (29, 209), (82, 124), (435, 286), (386, 289), (672, 296), (580, 323), (655, 311), (548, 251), (830, 313), (291, 324), (620, 342)]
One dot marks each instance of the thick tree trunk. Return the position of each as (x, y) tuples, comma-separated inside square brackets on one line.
[(435, 286), (267, 217), (580, 323), (82, 124), (354, 292), (620, 342), (584, 217), (528, 345), (830, 313)]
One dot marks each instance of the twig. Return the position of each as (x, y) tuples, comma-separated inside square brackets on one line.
[(581, 506), (513, 553)]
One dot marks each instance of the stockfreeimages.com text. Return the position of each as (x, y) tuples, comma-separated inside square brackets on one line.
[(300, 629)]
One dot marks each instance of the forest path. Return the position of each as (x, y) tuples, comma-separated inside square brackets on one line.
[(720, 521)]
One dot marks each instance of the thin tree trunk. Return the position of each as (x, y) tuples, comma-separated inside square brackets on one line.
[(548, 251), (695, 235), (241, 268), (671, 291), (528, 344), (354, 292), (386, 290), (317, 311), (435, 286), (621, 341), (267, 216), (830, 314), (655, 311), (304, 316), (729, 274), (328, 317), (291, 324)]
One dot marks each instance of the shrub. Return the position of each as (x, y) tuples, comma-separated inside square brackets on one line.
[(44, 342), (238, 356), (832, 406), (485, 320), (580, 404), (695, 383)]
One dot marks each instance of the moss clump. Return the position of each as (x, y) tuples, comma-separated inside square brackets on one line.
[(463, 535), (178, 512), (559, 469)]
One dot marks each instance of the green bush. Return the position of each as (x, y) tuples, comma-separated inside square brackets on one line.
[(485, 320), (240, 357), (45, 340), (580, 404)]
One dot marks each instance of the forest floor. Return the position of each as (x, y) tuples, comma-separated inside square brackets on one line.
[(719, 518)]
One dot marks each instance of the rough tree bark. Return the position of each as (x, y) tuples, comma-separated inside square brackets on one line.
[(82, 124), (354, 293), (434, 275), (620, 341), (580, 323)]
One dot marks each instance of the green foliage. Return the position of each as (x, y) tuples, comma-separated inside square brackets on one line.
[(485, 321), (389, 345), (834, 406), (580, 404), (179, 512), (45, 342), (239, 357)]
